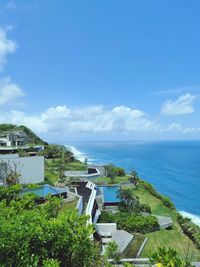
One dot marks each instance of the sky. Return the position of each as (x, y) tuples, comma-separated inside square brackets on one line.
[(101, 70)]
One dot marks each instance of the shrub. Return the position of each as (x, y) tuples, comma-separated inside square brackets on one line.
[(167, 202), (168, 257), (190, 229), (131, 222)]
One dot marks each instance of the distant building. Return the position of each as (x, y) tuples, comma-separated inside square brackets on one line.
[(14, 139), (31, 169)]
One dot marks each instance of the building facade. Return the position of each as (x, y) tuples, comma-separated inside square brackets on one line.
[(15, 139), (30, 169)]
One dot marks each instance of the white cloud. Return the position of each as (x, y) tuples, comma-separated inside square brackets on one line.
[(6, 46), (9, 91), (177, 127), (183, 105), (84, 119)]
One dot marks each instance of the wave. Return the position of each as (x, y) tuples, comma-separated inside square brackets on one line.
[(78, 154), (195, 218)]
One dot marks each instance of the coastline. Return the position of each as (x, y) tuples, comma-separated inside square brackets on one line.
[(80, 155)]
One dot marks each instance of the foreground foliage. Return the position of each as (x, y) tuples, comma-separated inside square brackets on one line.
[(167, 257), (39, 235)]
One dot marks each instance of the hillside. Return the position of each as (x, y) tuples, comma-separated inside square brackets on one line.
[(11, 127)]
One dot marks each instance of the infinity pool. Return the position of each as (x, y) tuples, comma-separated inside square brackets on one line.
[(44, 190), (110, 194)]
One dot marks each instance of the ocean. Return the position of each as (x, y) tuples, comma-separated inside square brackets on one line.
[(173, 167)]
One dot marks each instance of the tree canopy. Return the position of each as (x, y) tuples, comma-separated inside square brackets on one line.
[(40, 235)]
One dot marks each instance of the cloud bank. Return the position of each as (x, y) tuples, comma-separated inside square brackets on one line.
[(83, 119)]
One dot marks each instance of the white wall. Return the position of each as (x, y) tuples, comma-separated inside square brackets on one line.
[(106, 227), (30, 168)]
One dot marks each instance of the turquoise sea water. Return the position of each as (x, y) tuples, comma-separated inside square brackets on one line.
[(173, 167)]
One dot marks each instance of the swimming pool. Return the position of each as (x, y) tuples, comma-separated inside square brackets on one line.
[(44, 190), (110, 194)]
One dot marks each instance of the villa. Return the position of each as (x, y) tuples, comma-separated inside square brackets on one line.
[(14, 139)]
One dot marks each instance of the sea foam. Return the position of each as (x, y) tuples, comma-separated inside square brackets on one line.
[(78, 154), (195, 218)]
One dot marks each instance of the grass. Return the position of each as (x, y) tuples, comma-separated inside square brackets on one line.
[(173, 238), (117, 180), (68, 166), (68, 205), (134, 246)]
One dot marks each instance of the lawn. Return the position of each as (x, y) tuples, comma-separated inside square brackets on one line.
[(170, 238), (68, 166), (68, 205), (107, 180), (134, 246)]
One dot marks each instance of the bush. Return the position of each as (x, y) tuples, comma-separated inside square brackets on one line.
[(41, 236), (167, 202), (168, 257), (190, 229), (131, 222)]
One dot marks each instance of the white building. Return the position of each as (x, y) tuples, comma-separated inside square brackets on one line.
[(31, 169)]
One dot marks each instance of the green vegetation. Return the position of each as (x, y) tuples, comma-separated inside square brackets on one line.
[(174, 237), (130, 222), (107, 180), (129, 202), (34, 138), (54, 169), (57, 151), (113, 171), (166, 201), (133, 248), (168, 257), (41, 235), (112, 251), (58, 160), (68, 205), (190, 229)]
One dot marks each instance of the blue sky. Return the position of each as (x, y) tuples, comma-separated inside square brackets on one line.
[(101, 70)]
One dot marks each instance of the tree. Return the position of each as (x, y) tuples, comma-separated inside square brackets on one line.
[(111, 172), (134, 178), (112, 251), (128, 200), (41, 237)]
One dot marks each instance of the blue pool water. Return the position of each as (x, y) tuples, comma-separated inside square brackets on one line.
[(44, 190), (110, 193), (173, 167)]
